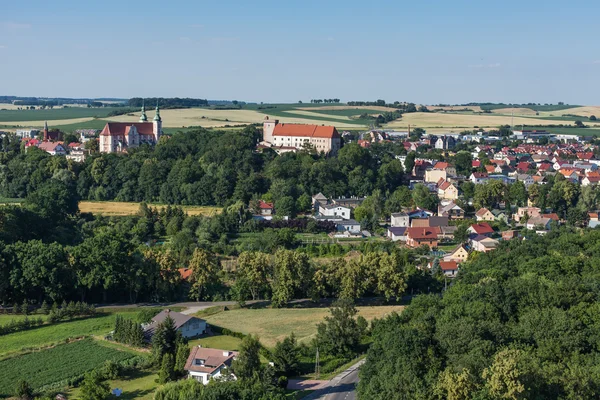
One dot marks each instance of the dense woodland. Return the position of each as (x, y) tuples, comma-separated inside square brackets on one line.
[(518, 323)]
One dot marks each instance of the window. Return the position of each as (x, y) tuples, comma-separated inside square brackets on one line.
[(199, 361)]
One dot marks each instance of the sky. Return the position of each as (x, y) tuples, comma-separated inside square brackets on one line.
[(427, 52)]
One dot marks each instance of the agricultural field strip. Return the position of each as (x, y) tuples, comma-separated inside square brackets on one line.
[(56, 364)]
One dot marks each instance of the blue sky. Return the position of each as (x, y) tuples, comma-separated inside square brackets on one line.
[(283, 51)]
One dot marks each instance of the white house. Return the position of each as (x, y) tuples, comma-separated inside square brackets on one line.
[(349, 225), (204, 364), (400, 220), (188, 325), (397, 233), (27, 133), (332, 210), (478, 177)]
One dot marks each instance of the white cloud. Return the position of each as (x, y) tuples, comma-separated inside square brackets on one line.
[(494, 65)]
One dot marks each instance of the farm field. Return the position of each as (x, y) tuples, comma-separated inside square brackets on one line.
[(272, 325), (458, 122), (47, 335), (41, 368), (116, 208), (223, 342), (55, 114)]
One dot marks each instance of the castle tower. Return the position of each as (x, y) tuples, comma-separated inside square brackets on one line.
[(45, 130), (157, 124), (268, 128), (143, 117)]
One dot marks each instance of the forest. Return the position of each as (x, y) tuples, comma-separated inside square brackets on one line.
[(518, 323)]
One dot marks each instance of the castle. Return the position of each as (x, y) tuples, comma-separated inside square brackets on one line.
[(292, 137), (117, 137)]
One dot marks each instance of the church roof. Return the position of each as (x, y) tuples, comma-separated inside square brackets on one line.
[(318, 131), (122, 128)]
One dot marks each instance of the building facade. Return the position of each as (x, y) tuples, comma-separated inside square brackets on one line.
[(291, 137), (117, 137)]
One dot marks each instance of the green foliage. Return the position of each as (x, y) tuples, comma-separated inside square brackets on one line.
[(339, 335), (93, 388), (286, 356), (423, 198), (517, 323), (23, 390), (189, 389), (167, 369), (165, 339), (247, 363), (128, 331)]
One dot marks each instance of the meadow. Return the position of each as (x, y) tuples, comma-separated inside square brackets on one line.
[(48, 335), (56, 364), (116, 208), (56, 114), (272, 325)]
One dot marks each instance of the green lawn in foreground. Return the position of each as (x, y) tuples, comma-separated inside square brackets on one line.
[(222, 342), (140, 385), (272, 325), (56, 333)]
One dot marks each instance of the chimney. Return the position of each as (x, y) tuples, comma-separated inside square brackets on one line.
[(226, 353)]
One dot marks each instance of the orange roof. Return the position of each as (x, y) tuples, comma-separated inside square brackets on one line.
[(441, 165), (552, 216), (482, 228), (185, 273), (448, 265), (423, 233), (482, 211), (264, 204), (318, 131)]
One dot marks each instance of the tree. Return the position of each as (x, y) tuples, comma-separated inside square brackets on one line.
[(204, 273), (504, 378), (455, 386), (183, 352), (579, 124), (463, 162), (248, 361), (409, 163), (165, 339), (291, 275), (401, 197), (256, 269), (54, 199), (339, 335), (593, 118), (286, 356), (423, 198), (167, 369), (93, 388), (23, 390), (518, 194)]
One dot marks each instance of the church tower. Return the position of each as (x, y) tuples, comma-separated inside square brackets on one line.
[(143, 117), (45, 130), (157, 124)]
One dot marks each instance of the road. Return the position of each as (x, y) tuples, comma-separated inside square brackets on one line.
[(342, 387)]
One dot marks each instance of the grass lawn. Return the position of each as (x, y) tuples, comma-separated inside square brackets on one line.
[(119, 208), (53, 334), (6, 318), (140, 385), (272, 325), (222, 342), (56, 364)]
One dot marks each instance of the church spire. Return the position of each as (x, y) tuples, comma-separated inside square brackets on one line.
[(157, 115), (143, 117)]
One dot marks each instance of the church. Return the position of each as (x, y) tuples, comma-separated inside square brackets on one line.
[(117, 137)]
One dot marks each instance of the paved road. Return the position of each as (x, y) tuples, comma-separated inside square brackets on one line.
[(190, 306), (342, 387)]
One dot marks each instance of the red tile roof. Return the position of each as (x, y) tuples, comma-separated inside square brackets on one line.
[(448, 265), (265, 205), (481, 212), (441, 165), (482, 228), (552, 216), (318, 131), (122, 128), (212, 359), (423, 233), (185, 273)]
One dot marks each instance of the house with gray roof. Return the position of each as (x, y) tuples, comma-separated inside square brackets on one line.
[(188, 325)]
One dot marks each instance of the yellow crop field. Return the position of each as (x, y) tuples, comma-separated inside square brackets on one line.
[(119, 208), (214, 118), (586, 111), (515, 110), (40, 124), (455, 108), (465, 121)]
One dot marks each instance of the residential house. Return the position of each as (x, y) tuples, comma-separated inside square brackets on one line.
[(351, 202), (266, 209), (416, 237), (400, 219), (526, 179), (348, 225), (429, 222), (419, 213), (526, 212), (500, 216), (459, 254), (27, 133), (539, 223), (76, 152), (570, 174), (553, 216), (446, 190), (478, 177), (451, 211), (333, 210), (317, 199), (449, 268), (594, 221), (445, 142), (188, 325), (396, 233), (447, 232), (590, 181), (483, 214), (205, 364), (53, 148), (481, 229), (433, 175), (483, 243), (510, 234)]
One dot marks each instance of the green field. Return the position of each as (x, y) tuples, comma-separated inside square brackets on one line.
[(223, 342), (551, 107), (55, 364), (272, 325), (52, 334), (139, 385), (56, 114)]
